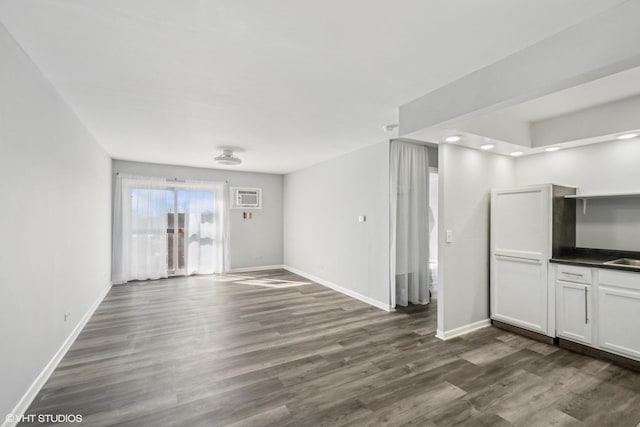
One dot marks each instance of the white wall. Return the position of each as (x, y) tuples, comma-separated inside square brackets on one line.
[(254, 243), (466, 179), (55, 182), (610, 167), (322, 235), (433, 210)]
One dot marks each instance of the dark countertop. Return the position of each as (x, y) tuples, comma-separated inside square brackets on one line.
[(588, 257)]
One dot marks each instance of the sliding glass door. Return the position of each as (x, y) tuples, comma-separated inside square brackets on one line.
[(175, 237), (148, 242), (191, 229), (172, 229), (167, 228)]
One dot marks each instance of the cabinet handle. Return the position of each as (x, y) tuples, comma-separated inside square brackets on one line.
[(586, 315), (573, 274)]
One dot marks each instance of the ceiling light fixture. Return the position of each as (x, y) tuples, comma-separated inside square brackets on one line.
[(552, 149), (517, 153), (227, 158), (390, 128), (452, 138), (487, 146), (627, 136)]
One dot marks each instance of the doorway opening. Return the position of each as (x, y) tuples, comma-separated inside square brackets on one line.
[(413, 220)]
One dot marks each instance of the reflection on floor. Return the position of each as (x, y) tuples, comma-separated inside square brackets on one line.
[(269, 279), (205, 351)]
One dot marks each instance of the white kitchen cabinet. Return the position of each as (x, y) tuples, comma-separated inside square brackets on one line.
[(574, 311), (522, 241), (619, 313), (519, 294)]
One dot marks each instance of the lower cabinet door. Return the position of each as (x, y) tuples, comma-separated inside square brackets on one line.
[(574, 312), (519, 292), (618, 320)]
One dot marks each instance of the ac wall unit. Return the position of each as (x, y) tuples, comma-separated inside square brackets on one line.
[(246, 198)]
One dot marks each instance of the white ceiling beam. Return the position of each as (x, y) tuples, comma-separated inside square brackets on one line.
[(497, 125), (602, 45), (606, 119)]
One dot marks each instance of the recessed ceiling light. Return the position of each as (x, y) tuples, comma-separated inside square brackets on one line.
[(487, 146), (452, 138), (552, 149), (627, 136), (517, 153)]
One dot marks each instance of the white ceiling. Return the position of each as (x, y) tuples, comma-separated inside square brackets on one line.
[(292, 82)]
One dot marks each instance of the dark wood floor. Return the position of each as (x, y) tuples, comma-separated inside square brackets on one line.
[(257, 350)]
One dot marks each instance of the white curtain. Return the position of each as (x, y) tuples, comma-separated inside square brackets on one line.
[(139, 229), (409, 194), (142, 208), (206, 229)]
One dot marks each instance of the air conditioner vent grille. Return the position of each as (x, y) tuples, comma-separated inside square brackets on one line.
[(246, 198)]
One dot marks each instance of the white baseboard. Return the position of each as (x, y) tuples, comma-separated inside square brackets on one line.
[(348, 292), (447, 335), (22, 406), (259, 268)]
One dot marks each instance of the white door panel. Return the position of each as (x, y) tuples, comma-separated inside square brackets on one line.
[(618, 320), (574, 311), (520, 221), (520, 249), (520, 292)]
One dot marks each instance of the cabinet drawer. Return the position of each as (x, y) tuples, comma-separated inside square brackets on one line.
[(571, 273)]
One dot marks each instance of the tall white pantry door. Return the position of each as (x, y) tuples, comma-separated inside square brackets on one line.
[(520, 246)]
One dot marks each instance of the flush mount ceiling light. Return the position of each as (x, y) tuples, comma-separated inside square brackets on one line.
[(517, 153), (487, 146), (390, 128), (627, 136), (552, 149), (227, 158), (452, 138)]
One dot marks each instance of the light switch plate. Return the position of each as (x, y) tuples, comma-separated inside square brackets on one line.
[(449, 236), (362, 218)]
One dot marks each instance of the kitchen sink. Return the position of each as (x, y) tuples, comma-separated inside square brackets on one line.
[(627, 262)]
